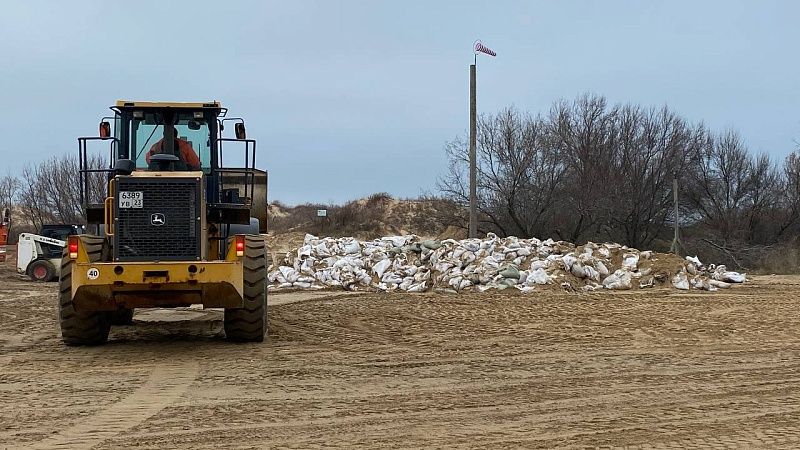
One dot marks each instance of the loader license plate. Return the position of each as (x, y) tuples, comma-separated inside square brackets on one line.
[(130, 199)]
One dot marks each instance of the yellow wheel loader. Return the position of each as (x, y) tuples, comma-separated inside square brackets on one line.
[(175, 226)]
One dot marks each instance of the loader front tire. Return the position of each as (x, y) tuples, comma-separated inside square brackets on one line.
[(81, 327), (249, 323), (123, 316)]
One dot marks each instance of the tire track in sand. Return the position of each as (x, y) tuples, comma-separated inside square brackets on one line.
[(165, 385)]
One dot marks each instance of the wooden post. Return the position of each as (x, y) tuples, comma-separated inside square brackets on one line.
[(473, 168), (676, 239)]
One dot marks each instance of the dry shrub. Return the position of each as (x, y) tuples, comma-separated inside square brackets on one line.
[(781, 259), (377, 215)]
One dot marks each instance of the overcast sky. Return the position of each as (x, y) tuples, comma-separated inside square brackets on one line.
[(351, 98)]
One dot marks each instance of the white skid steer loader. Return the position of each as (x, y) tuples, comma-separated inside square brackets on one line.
[(39, 257)]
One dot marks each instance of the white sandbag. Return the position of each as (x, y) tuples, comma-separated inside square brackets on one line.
[(577, 270), (630, 261), (719, 284), (537, 276), (392, 278), (352, 247), (721, 273), (406, 283), (619, 280), (396, 241), (590, 273), (289, 273), (431, 244), (694, 260), (510, 272), (701, 283), (321, 249), (601, 268), (273, 276), (307, 266), (467, 257), (422, 276), (455, 282), (568, 261), (418, 287), (380, 267), (540, 264), (681, 281)]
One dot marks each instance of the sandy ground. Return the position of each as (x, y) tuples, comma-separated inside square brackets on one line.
[(656, 368)]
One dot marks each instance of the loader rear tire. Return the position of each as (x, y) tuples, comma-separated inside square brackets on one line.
[(81, 327), (249, 323)]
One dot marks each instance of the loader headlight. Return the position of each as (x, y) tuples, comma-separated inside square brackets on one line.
[(72, 245)]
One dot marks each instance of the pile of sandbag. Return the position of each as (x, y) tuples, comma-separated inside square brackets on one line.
[(411, 264)]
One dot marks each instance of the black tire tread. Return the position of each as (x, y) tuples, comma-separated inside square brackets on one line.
[(81, 327), (249, 323), (51, 270), (122, 316)]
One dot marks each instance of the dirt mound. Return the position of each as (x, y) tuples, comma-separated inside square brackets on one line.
[(367, 218)]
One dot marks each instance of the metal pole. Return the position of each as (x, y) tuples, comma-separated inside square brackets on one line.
[(473, 168)]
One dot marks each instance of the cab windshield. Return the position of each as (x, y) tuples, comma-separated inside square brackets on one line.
[(148, 134)]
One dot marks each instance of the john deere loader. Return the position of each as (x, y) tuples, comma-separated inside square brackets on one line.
[(175, 226)]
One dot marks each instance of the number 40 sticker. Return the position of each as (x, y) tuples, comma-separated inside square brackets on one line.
[(92, 273)]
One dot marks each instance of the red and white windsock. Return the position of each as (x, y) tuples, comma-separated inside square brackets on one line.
[(479, 47)]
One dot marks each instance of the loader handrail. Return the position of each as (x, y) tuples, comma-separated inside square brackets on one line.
[(249, 164), (83, 163)]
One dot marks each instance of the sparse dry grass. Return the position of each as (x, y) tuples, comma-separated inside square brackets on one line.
[(375, 216)]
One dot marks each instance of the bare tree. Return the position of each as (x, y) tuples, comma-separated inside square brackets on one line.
[(9, 189), (652, 147), (50, 191), (586, 136), (721, 185), (33, 204), (589, 170), (519, 173)]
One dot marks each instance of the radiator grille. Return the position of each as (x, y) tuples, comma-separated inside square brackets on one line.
[(173, 235)]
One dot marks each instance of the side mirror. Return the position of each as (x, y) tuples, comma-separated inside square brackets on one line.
[(240, 133), (105, 129)]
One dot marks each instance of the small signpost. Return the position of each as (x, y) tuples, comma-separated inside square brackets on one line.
[(322, 217)]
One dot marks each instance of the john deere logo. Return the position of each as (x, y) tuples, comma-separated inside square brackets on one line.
[(157, 219)]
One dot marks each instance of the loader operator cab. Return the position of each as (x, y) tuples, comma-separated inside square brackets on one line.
[(182, 137), (167, 132)]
